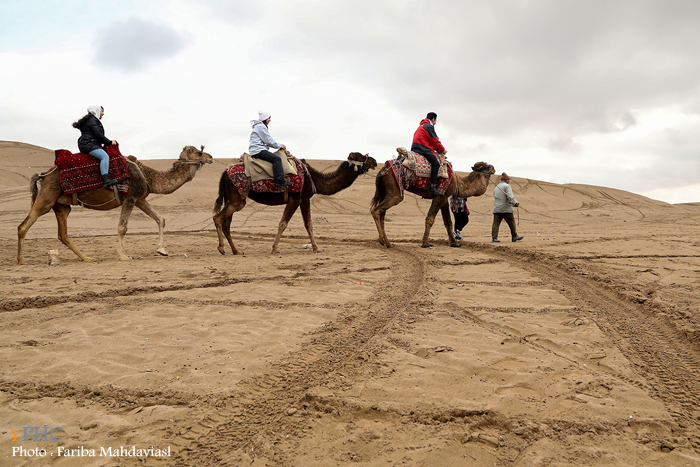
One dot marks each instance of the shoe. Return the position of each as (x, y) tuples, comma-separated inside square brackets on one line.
[(434, 191), (518, 237), (107, 181), (457, 235), (495, 240), (284, 184)]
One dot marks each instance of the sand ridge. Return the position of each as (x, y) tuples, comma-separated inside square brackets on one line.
[(579, 345)]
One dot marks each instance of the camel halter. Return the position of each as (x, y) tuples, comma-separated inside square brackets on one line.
[(200, 163), (358, 163)]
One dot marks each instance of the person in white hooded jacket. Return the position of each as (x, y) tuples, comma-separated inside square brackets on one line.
[(260, 143)]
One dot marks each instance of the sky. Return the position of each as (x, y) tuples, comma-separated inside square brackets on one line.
[(593, 92)]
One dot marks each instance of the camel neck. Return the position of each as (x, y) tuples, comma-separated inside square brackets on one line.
[(333, 182), (166, 182), (474, 184)]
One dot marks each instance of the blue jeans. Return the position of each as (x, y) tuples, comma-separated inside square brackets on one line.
[(277, 169), (102, 156)]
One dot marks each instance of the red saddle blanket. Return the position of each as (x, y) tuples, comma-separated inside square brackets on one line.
[(243, 184), (406, 178), (81, 172)]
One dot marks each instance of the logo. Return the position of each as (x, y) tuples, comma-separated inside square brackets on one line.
[(37, 434)]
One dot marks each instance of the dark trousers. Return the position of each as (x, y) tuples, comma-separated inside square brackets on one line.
[(434, 163), (276, 164), (461, 219), (497, 218)]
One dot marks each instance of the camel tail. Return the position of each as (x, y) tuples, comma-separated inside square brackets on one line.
[(222, 194), (34, 186), (379, 193)]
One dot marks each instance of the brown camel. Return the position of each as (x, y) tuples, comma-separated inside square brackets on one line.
[(388, 194), (325, 183), (143, 181)]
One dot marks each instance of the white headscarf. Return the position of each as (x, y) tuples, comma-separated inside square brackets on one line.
[(96, 110)]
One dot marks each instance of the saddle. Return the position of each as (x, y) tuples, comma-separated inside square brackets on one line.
[(258, 169), (420, 165), (81, 172)]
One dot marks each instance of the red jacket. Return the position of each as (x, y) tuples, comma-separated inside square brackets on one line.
[(426, 137)]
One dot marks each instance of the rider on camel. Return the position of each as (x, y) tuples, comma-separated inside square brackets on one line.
[(425, 143)]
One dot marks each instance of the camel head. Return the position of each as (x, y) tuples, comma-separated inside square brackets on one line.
[(192, 155), (363, 163), (484, 168)]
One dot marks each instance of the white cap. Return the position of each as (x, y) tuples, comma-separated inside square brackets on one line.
[(262, 115), (95, 110)]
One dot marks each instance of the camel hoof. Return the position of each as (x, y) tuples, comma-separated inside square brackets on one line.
[(456, 245), (222, 251), (238, 253), (162, 252), (87, 259), (124, 258), (426, 246)]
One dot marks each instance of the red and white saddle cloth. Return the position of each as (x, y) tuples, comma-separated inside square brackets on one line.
[(243, 184), (420, 165), (81, 172), (406, 178)]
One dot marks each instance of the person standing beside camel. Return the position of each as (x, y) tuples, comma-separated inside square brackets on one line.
[(503, 203), (92, 137), (459, 208), (260, 143), (425, 142)]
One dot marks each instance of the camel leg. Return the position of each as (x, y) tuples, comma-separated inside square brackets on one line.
[(62, 211), (306, 214), (289, 211), (222, 221), (379, 214), (436, 205), (143, 205), (37, 210), (447, 219), (127, 207)]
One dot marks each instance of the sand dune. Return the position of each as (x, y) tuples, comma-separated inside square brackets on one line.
[(579, 345)]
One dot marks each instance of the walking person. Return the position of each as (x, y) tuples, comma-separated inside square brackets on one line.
[(260, 143), (461, 213), (503, 204), (425, 143), (92, 138)]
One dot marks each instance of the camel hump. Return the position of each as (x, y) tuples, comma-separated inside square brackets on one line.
[(132, 158), (402, 151)]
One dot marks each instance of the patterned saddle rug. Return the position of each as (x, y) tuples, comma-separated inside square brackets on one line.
[(81, 172), (406, 178), (243, 184), (420, 165)]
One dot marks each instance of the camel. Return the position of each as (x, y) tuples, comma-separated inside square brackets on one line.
[(325, 184), (143, 181), (388, 194)]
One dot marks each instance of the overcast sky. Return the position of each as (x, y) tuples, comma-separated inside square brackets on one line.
[(595, 92)]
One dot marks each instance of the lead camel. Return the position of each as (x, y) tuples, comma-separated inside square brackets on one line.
[(388, 194)]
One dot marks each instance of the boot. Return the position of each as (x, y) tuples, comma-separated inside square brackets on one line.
[(107, 181), (283, 183), (433, 190)]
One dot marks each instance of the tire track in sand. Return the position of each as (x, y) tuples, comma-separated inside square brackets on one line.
[(254, 414), (664, 355)]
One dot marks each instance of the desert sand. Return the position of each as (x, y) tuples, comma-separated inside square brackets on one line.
[(578, 346)]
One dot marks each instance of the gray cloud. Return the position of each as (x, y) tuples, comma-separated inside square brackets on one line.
[(500, 68), (134, 44)]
